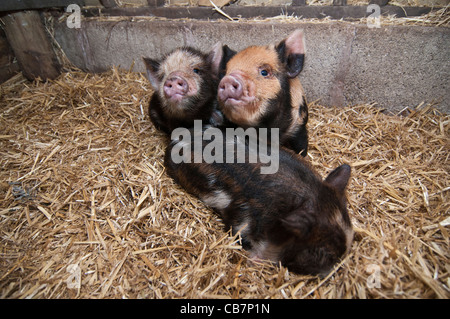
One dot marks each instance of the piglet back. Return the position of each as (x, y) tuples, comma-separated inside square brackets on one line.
[(290, 216)]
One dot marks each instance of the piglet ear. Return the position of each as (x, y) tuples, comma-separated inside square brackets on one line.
[(214, 58), (218, 57), (152, 67), (292, 52), (299, 222), (339, 178)]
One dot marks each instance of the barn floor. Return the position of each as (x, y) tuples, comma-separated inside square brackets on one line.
[(87, 211)]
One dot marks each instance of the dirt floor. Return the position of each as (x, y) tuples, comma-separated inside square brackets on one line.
[(87, 211)]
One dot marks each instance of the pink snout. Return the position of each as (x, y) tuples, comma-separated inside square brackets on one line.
[(175, 88), (236, 91), (230, 88)]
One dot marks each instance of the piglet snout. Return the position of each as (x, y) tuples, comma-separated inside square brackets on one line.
[(175, 87), (236, 91), (230, 88)]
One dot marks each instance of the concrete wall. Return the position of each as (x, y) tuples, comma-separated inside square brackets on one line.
[(394, 66)]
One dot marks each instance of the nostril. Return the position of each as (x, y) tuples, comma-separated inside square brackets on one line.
[(236, 85), (175, 86), (168, 84)]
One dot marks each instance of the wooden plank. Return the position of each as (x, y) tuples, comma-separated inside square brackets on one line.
[(31, 45), (204, 13), (108, 3), (14, 5)]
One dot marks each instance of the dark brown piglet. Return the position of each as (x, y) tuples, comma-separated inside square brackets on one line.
[(185, 89), (260, 88), (290, 216)]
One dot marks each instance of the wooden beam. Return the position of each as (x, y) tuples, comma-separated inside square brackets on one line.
[(108, 3), (205, 13), (15, 5), (31, 45)]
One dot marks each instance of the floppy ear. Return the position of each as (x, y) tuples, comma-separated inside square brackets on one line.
[(218, 57), (292, 53), (339, 178), (152, 67), (299, 221)]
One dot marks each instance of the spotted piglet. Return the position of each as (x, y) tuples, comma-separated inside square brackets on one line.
[(185, 89), (290, 216), (260, 88)]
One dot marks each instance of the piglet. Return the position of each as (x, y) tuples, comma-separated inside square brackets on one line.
[(260, 88), (290, 216), (185, 89)]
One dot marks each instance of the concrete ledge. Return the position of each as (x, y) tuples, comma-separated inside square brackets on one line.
[(394, 66)]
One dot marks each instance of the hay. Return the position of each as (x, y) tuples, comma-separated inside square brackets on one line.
[(82, 186), (436, 18)]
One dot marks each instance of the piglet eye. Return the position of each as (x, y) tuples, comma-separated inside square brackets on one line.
[(197, 71), (264, 72)]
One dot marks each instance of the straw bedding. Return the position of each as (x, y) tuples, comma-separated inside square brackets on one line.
[(82, 186)]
